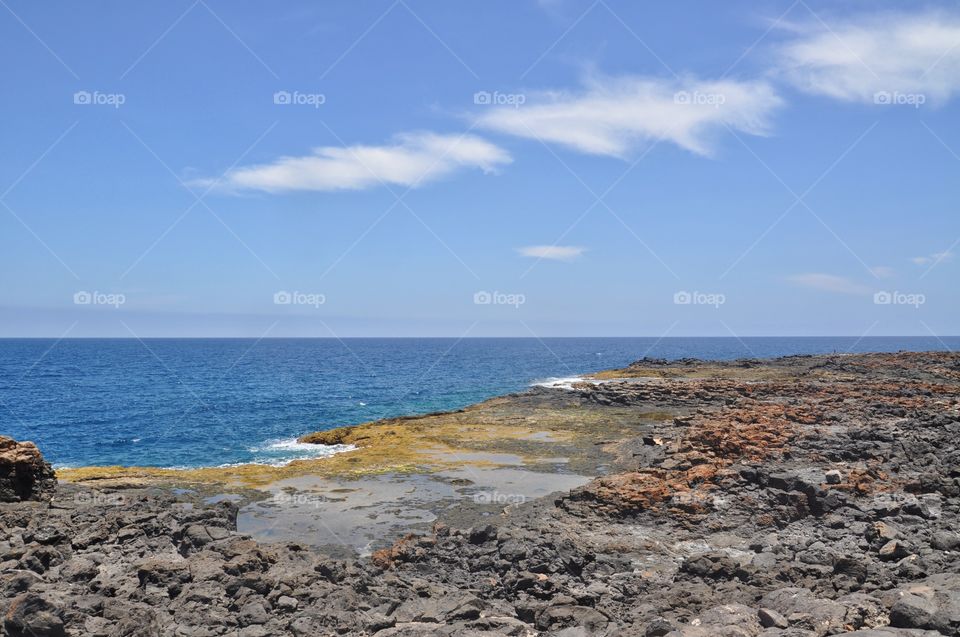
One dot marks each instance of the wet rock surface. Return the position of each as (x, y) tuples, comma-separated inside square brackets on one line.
[(804, 496)]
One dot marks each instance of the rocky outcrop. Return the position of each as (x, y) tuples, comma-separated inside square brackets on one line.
[(801, 497), (24, 474)]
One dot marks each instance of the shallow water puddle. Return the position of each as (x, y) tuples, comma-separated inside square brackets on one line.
[(361, 515), (477, 457)]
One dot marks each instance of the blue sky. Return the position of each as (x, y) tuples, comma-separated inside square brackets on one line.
[(519, 168)]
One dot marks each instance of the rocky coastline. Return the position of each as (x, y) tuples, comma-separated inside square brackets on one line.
[(804, 496)]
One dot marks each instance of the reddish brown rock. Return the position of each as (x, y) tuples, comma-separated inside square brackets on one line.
[(24, 474)]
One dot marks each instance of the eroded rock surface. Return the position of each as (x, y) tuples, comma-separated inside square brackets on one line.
[(24, 474), (805, 496)]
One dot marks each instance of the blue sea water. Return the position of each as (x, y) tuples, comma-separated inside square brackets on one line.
[(211, 402)]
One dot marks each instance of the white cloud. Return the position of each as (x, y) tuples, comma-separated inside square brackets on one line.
[(615, 116), (829, 283), (936, 257), (557, 253), (883, 271), (410, 160), (860, 60)]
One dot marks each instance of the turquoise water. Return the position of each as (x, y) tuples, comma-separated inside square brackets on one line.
[(211, 402)]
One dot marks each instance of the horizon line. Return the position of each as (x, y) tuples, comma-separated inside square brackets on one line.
[(462, 338)]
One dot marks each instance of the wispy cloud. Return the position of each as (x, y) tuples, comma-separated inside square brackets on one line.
[(409, 160), (616, 116), (868, 58), (557, 253), (883, 271), (936, 257), (828, 283)]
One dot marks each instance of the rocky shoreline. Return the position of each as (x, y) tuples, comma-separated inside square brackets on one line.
[(801, 496)]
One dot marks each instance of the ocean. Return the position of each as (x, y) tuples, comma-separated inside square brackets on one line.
[(214, 402)]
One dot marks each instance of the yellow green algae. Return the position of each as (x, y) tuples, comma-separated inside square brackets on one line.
[(480, 435)]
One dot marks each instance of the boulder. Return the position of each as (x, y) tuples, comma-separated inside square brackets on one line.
[(721, 619), (881, 532), (945, 540), (30, 615), (729, 620), (24, 474), (933, 604), (893, 550), (804, 610), (914, 610), (772, 619), (556, 617)]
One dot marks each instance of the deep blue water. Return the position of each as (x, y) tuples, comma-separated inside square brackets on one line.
[(208, 402)]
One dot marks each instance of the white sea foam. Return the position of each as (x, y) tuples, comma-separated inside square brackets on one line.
[(564, 382), (285, 444), (283, 451), (277, 453)]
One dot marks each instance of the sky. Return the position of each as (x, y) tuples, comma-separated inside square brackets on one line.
[(501, 168)]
